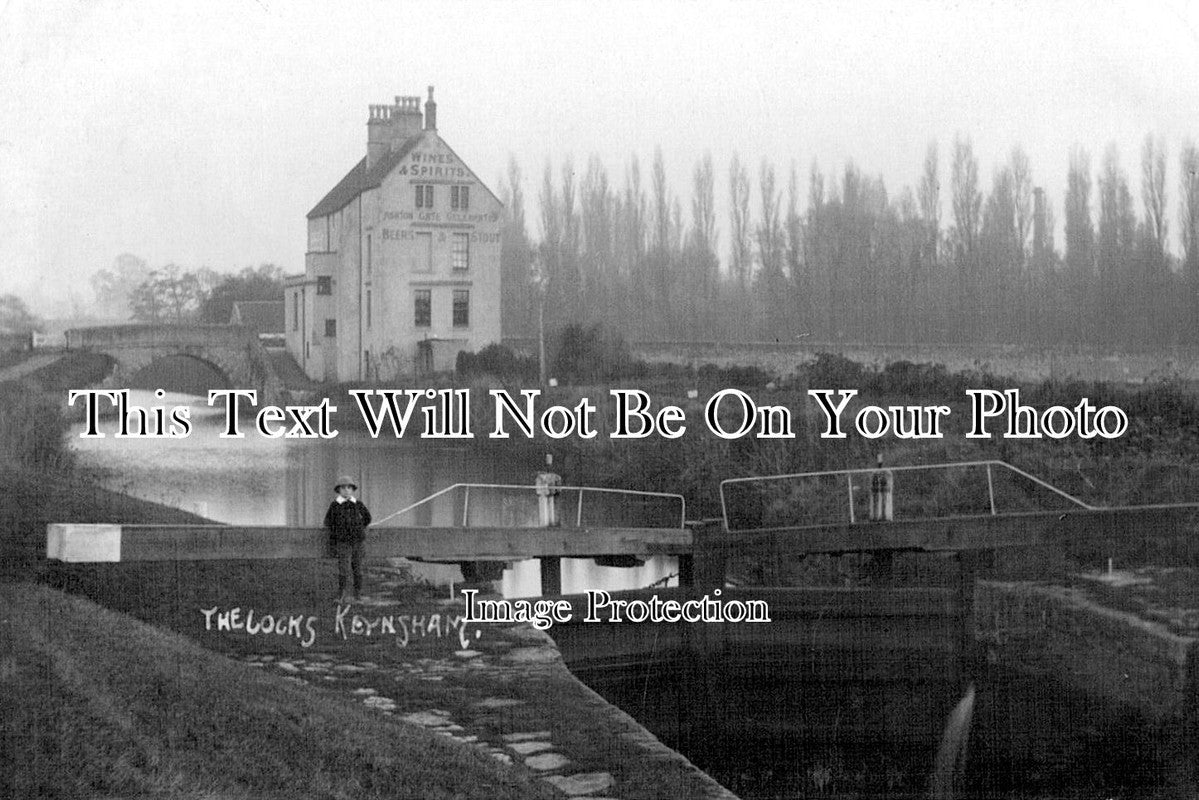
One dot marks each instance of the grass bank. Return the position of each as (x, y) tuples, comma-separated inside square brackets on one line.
[(33, 498), (77, 369), (97, 704)]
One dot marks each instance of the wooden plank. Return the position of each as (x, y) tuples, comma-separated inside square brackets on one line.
[(219, 542), (83, 543), (956, 534), (1073, 529)]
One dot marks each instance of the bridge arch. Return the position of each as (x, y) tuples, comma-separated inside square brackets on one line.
[(232, 352), (181, 372)]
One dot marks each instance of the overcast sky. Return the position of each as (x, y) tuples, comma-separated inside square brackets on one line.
[(202, 133)]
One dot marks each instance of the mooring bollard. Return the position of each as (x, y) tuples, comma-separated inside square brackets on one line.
[(547, 485), (882, 491)]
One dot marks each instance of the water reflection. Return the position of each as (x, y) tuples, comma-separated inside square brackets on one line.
[(255, 480), (239, 481)]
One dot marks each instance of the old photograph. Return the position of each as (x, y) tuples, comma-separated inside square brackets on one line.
[(650, 401)]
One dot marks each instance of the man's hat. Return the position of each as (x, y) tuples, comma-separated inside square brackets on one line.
[(345, 480)]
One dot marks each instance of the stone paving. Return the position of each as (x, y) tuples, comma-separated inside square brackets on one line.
[(522, 651), (535, 748)]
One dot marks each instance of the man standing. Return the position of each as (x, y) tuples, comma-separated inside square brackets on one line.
[(346, 521)]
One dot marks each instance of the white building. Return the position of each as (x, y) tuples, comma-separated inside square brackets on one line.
[(403, 264)]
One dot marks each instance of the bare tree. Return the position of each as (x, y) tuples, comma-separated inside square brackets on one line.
[(1080, 232), (568, 256), (516, 256), (514, 197), (770, 254), (660, 247), (551, 244), (15, 316), (597, 267), (1188, 210), (703, 204), (661, 198), (770, 233), (1115, 251), (740, 247), (1155, 301), (633, 234), (1080, 243), (1188, 214), (114, 287), (801, 285), (1153, 190), (818, 256), (997, 282), (703, 224), (168, 295), (929, 195), (1022, 198), (967, 201)]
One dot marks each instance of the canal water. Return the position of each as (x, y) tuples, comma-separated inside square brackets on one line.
[(767, 736)]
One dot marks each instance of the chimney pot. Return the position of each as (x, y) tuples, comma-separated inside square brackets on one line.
[(430, 112)]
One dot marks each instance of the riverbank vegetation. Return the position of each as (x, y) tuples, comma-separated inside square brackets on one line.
[(32, 428), (77, 369)]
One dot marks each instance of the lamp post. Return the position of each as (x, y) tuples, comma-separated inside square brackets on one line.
[(539, 279)]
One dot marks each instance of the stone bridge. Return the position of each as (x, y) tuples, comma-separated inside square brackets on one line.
[(232, 350)]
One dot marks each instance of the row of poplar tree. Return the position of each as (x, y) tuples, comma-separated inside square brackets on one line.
[(840, 259)]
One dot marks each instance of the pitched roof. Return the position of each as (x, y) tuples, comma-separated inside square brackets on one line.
[(359, 179), (346, 190), (264, 316)]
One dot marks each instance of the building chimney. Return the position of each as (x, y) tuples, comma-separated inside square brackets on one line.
[(377, 139), (405, 120), (390, 126), (430, 112)]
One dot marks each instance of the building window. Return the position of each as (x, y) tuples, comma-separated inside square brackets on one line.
[(424, 308), (330, 329), (422, 254), (368, 308), (324, 285), (461, 252), (369, 259), (459, 198), (295, 311), (424, 195), (461, 308)]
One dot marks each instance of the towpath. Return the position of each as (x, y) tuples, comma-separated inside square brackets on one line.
[(500, 688), (28, 366)]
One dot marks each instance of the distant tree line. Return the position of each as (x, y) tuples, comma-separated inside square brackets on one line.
[(843, 259), (171, 295), (16, 319)]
